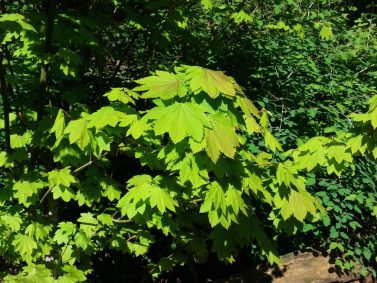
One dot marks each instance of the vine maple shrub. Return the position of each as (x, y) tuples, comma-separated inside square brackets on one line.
[(183, 165), (198, 180)]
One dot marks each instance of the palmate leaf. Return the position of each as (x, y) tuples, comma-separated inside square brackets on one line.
[(20, 141), (145, 190), (247, 106), (38, 230), (32, 273), (24, 245), (162, 199), (212, 82), (372, 103), (25, 189), (65, 193), (88, 223), (82, 240), (373, 118), (298, 205), (163, 85), (12, 221), (207, 4), (59, 125), (215, 198), (339, 153), (106, 116), (222, 138), (234, 200), (15, 23), (71, 275), (78, 132), (110, 190), (61, 177), (123, 95), (271, 142), (65, 232), (264, 241), (326, 32), (179, 120), (285, 174), (190, 172)]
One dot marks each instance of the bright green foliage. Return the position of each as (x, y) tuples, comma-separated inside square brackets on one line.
[(102, 152), (211, 82), (179, 120), (163, 85), (24, 245)]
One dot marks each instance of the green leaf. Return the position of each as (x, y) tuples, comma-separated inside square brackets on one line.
[(65, 193), (139, 127), (216, 206), (111, 191), (190, 172), (81, 240), (71, 275), (36, 273), (339, 153), (20, 141), (284, 174), (24, 245), (161, 198), (78, 132), (105, 116), (298, 205), (142, 185), (59, 125), (163, 85), (222, 138), (234, 200), (207, 4), (105, 219), (61, 177), (19, 19), (88, 223), (333, 233), (326, 32), (25, 189), (123, 95), (271, 141), (212, 82), (65, 232), (180, 120), (12, 221), (38, 230)]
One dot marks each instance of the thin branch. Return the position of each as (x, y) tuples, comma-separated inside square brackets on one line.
[(82, 167), (45, 195), (51, 11), (120, 221), (6, 104), (366, 68), (14, 95), (282, 114)]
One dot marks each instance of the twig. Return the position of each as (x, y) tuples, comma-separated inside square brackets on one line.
[(82, 167), (6, 104), (45, 195), (366, 68), (121, 221), (282, 114)]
